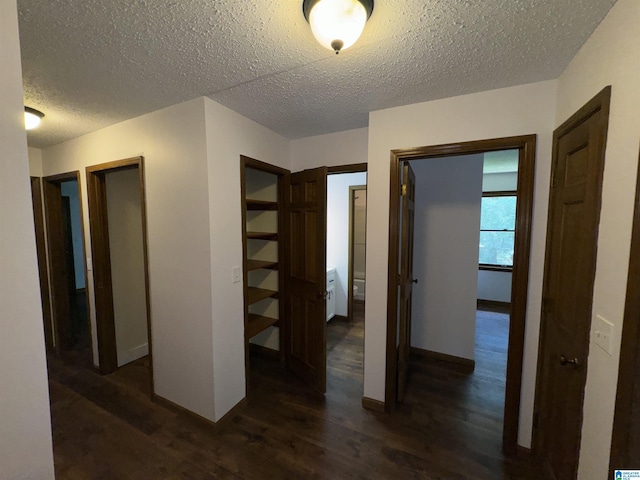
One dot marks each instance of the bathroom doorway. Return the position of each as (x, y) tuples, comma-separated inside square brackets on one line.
[(357, 247)]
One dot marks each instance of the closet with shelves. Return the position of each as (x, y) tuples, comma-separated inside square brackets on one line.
[(263, 226)]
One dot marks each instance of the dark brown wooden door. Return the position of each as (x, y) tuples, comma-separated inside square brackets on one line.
[(306, 351), (406, 279), (574, 213)]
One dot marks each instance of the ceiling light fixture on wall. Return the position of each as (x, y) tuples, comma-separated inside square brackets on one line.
[(337, 24), (32, 118)]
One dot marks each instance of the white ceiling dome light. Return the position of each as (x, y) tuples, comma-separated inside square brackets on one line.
[(337, 24), (32, 118)]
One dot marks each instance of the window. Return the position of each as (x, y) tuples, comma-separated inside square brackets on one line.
[(497, 229)]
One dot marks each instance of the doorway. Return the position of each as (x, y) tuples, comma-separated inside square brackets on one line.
[(357, 250), (67, 267), (345, 255), (117, 217), (41, 250), (525, 147)]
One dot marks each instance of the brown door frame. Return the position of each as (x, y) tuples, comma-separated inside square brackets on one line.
[(520, 280), (55, 243), (350, 275), (98, 222), (624, 446), (41, 249), (350, 168)]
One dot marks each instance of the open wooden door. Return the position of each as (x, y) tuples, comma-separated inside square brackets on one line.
[(570, 265), (305, 342), (405, 279)]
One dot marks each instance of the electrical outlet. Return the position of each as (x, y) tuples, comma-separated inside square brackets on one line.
[(603, 333), (235, 274)]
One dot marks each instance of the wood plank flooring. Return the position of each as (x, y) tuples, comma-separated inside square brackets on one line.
[(105, 427)]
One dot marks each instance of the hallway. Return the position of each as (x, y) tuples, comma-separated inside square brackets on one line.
[(107, 428)]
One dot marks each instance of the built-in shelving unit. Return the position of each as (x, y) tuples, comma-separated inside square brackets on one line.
[(262, 219)]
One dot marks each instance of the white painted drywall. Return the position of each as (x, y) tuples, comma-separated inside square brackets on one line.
[(609, 57), (333, 149), (229, 135), (35, 162), (70, 189), (338, 231), (124, 215), (496, 286), (25, 424), (521, 110), (445, 258), (173, 143)]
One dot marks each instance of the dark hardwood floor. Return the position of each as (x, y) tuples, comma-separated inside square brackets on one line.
[(105, 427)]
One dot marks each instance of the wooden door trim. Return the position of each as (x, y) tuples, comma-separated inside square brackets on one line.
[(51, 189), (599, 103), (352, 168), (105, 326), (43, 271), (629, 371), (526, 145)]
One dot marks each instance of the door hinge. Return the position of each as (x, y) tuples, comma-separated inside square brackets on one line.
[(403, 190)]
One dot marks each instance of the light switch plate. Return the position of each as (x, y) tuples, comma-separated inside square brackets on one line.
[(603, 333), (235, 274)]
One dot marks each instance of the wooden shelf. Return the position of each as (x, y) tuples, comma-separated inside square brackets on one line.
[(254, 294), (258, 323), (261, 205), (257, 264), (263, 235)]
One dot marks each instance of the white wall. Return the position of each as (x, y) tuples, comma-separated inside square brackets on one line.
[(124, 214), (229, 135), (338, 231), (333, 149), (445, 259), (35, 162), (496, 286), (172, 141), (25, 425), (70, 189), (609, 57), (521, 110)]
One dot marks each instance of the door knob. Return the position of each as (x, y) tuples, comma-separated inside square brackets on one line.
[(566, 361), (321, 295)]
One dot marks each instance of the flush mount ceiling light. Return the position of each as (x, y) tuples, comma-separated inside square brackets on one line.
[(32, 118), (337, 24)]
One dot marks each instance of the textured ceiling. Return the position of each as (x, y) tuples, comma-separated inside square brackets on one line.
[(91, 63)]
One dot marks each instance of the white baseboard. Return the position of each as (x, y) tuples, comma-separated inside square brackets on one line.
[(133, 354)]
